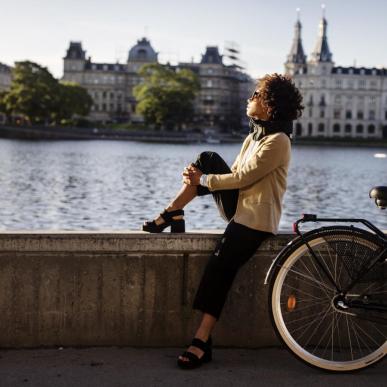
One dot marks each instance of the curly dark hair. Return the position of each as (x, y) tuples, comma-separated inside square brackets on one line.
[(280, 96)]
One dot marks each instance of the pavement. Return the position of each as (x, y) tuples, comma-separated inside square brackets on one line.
[(116, 367)]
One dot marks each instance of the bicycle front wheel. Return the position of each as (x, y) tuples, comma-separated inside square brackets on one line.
[(312, 317)]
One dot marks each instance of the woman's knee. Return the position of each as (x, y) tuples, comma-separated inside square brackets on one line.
[(206, 160), (208, 155)]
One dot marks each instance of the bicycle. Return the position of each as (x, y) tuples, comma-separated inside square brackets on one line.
[(328, 293)]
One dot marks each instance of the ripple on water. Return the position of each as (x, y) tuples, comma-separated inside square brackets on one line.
[(118, 185)]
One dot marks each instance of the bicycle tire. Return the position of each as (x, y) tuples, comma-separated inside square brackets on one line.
[(350, 345)]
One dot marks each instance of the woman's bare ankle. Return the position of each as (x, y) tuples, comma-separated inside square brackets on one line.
[(173, 207)]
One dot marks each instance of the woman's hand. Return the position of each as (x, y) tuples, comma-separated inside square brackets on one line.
[(191, 175)]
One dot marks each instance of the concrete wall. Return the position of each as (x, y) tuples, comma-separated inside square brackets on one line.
[(129, 289)]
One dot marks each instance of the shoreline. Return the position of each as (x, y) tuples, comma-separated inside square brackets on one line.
[(152, 136)]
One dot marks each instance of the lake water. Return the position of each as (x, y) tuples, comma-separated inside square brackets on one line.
[(98, 185)]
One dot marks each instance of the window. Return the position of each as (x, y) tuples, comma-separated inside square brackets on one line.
[(337, 98), (359, 128), (298, 129), (360, 115), (371, 115), (339, 83), (348, 128), (311, 112), (350, 84), (336, 128), (111, 95), (322, 113), (104, 94), (321, 127), (362, 84), (371, 129), (337, 113), (209, 83), (310, 129), (210, 71), (385, 115), (104, 107)]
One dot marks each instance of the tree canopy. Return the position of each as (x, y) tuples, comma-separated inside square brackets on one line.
[(41, 98), (165, 97)]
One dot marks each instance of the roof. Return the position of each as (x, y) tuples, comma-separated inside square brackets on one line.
[(297, 54), (75, 51), (142, 52), (212, 56), (321, 51), (5, 68), (359, 70), (105, 66)]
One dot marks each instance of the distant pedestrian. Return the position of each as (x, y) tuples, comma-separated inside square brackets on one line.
[(248, 195)]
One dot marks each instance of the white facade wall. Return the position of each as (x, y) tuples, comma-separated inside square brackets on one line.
[(342, 105)]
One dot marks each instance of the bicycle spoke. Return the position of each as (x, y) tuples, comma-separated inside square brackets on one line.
[(312, 279)]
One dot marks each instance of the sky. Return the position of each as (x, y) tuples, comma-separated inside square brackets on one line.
[(40, 30)]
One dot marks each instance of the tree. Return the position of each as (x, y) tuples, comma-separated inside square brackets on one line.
[(74, 100), (33, 92), (165, 98), (38, 96)]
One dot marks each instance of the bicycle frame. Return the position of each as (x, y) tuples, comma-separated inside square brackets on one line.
[(379, 258)]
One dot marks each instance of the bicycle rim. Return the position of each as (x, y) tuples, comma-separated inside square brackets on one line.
[(304, 303)]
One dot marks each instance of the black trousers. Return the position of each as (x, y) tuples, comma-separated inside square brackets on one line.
[(237, 245)]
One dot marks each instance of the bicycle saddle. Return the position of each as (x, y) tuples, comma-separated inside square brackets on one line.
[(380, 196)]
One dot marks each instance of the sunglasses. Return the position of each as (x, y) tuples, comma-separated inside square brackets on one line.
[(254, 95)]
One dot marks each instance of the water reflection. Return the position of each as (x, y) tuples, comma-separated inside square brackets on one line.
[(117, 185)]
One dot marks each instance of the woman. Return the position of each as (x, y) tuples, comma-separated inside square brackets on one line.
[(248, 195)]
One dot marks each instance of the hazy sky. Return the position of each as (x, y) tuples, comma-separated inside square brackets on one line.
[(180, 30)]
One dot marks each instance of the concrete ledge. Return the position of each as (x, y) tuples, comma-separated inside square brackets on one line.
[(123, 288)]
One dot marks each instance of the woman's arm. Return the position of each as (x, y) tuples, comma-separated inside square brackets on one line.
[(269, 157)]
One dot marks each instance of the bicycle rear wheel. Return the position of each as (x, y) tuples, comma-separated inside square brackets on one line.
[(311, 317)]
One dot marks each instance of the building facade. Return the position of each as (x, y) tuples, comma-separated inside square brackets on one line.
[(339, 101), (5, 83), (221, 102), (218, 105)]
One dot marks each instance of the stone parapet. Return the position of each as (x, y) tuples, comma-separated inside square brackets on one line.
[(124, 289)]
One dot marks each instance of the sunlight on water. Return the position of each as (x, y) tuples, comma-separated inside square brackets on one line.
[(117, 185)]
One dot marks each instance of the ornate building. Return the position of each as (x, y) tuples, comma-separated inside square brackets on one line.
[(339, 101), (221, 102), (218, 104), (109, 84)]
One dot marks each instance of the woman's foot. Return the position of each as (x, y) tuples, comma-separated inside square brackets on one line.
[(198, 352), (173, 218)]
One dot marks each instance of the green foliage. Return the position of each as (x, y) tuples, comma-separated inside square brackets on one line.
[(73, 100), (39, 97), (165, 97)]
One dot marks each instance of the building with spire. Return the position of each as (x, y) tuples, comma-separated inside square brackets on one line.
[(339, 101)]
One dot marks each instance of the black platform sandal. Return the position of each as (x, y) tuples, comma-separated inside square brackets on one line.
[(177, 225), (193, 360)]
